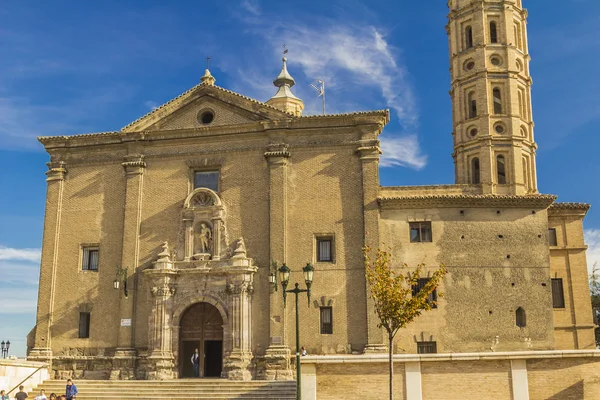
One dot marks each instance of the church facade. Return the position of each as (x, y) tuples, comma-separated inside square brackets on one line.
[(161, 238)]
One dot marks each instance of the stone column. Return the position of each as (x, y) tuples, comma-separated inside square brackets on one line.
[(369, 152), (42, 350), (237, 363), (277, 356), (124, 359)]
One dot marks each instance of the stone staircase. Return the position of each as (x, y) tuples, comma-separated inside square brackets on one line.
[(181, 389)]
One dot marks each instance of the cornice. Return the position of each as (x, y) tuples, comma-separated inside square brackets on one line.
[(537, 201), (565, 209), (377, 119), (570, 206)]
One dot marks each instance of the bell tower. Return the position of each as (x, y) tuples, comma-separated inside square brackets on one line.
[(491, 96)]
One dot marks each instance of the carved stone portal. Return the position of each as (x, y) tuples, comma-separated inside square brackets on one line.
[(223, 279)]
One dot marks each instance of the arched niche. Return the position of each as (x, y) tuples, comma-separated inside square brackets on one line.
[(203, 219)]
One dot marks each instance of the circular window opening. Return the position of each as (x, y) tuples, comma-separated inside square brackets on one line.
[(496, 61), (469, 65), (207, 117), (473, 132), (499, 128)]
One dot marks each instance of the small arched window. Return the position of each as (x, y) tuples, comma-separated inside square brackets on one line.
[(526, 173), (524, 132), (497, 101), (468, 37), (475, 170), (493, 33), (520, 318), (501, 169), (472, 104)]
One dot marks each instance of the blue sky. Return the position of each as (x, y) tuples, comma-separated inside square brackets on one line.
[(71, 67)]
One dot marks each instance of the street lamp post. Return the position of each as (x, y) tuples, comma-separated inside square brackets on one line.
[(5, 346), (284, 277)]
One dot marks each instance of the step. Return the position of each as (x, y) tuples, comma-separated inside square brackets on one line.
[(180, 389)]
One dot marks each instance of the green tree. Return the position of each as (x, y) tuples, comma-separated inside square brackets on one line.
[(595, 292), (392, 294)]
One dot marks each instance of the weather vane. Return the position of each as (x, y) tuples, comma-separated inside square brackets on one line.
[(285, 50), (207, 62)]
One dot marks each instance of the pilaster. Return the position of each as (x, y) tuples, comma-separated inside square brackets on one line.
[(134, 167), (369, 152), (277, 357), (42, 350)]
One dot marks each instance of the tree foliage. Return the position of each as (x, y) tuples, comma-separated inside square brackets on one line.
[(595, 292), (392, 291), (395, 301)]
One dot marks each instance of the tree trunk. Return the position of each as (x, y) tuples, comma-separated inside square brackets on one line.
[(391, 364)]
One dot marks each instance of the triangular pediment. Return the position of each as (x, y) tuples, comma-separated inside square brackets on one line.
[(187, 111)]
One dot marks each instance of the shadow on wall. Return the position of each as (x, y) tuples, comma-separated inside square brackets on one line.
[(575, 391)]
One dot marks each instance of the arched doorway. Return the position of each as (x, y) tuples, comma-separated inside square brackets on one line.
[(201, 327)]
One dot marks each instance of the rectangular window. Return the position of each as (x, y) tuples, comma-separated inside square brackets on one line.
[(325, 249), (420, 232), (552, 237), (558, 295), (90, 259), (84, 325), (206, 179), (420, 284), (426, 347), (326, 321)]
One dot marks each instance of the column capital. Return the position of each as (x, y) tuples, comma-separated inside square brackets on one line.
[(134, 164), (56, 171), (164, 290), (277, 154), (368, 150)]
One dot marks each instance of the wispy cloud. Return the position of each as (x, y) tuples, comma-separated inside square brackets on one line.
[(152, 105), (8, 253), (252, 7), (20, 275), (401, 151), (360, 68), (19, 301), (592, 239)]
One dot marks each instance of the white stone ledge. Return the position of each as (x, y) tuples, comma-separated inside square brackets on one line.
[(22, 363), (507, 355)]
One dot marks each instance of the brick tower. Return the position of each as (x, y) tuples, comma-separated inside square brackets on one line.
[(491, 96)]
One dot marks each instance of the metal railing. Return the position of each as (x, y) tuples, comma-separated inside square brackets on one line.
[(24, 380)]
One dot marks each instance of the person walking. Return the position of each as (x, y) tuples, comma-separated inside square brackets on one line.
[(196, 363), (41, 396), (3, 395), (21, 395), (71, 391)]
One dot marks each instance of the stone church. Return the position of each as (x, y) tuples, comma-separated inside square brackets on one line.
[(164, 237)]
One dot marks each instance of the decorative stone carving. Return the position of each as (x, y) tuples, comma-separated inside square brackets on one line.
[(240, 249), (204, 219), (164, 255), (203, 200), (165, 290)]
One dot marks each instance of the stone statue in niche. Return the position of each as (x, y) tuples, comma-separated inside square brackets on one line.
[(203, 239)]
